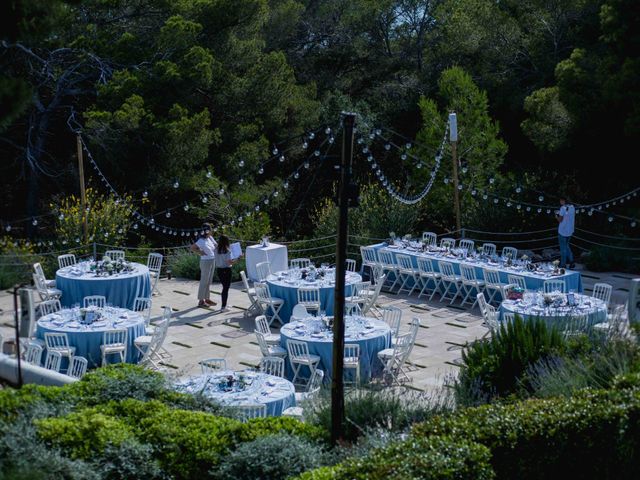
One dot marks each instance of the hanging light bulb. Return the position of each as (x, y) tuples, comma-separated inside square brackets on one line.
[(221, 191), (241, 181), (282, 158), (168, 215), (590, 212), (285, 185), (305, 145), (387, 146), (403, 156), (378, 131), (528, 209), (152, 221), (508, 204), (257, 208), (296, 175), (518, 189), (372, 135), (370, 158), (205, 199), (8, 228), (327, 130), (365, 150), (241, 163), (484, 196), (164, 230), (460, 187), (495, 200), (316, 153), (610, 219), (209, 174), (633, 224), (407, 146), (260, 171), (331, 140), (492, 180), (182, 234), (360, 141), (473, 192), (540, 198), (145, 194), (61, 216), (518, 206), (539, 210), (548, 211), (266, 201), (446, 180), (275, 150), (312, 135), (176, 184), (464, 169), (276, 193), (374, 165), (34, 222)]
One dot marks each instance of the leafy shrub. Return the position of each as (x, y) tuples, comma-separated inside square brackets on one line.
[(497, 366), (272, 457), (595, 434), (389, 410), (603, 259), (185, 264), (84, 432), (258, 427), (16, 262), (435, 458), (32, 400), (130, 459)]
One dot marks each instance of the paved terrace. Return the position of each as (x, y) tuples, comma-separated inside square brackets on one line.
[(197, 333)]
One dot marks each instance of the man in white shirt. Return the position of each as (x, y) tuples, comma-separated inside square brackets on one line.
[(205, 246), (566, 224)]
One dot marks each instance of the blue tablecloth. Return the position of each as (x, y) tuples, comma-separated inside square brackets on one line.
[(120, 290), (276, 393), (289, 292), (534, 281), (593, 308), (371, 341), (88, 338)]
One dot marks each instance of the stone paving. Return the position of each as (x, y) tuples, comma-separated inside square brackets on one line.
[(198, 333)]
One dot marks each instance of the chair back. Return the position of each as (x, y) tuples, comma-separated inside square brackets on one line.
[(48, 307), (300, 263), (447, 242), (212, 365), (166, 315), (245, 281), (467, 244), (602, 291), (468, 273), (56, 340), (368, 255), (392, 316), (299, 312), (116, 336), (41, 286), (447, 271), (66, 260), (350, 265), (518, 280), (264, 270), (429, 238), (425, 267), (262, 291), (309, 296), (482, 302), (53, 360), (513, 251), (315, 382), (386, 258), (489, 249), (33, 354), (508, 317), (94, 301), (262, 343), (297, 349), (262, 325), (78, 367), (351, 352), (249, 411), (143, 305), (404, 262), (272, 366), (37, 268), (492, 278), (550, 286), (373, 298), (491, 318), (154, 262), (114, 254)]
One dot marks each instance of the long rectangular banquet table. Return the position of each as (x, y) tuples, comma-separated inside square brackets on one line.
[(533, 280)]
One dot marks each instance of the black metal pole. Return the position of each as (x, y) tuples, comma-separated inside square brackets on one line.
[(337, 386), (17, 327)]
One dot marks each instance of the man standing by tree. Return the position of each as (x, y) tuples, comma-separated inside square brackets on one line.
[(566, 223)]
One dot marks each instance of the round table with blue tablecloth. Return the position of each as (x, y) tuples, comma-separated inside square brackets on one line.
[(555, 309), (120, 289), (276, 393), (370, 334), (285, 285), (87, 338)]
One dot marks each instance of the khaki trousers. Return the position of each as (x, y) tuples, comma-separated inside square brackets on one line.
[(207, 267)]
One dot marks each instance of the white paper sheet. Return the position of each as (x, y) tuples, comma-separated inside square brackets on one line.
[(236, 250)]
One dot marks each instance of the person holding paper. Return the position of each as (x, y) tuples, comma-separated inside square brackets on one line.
[(205, 246), (224, 261)]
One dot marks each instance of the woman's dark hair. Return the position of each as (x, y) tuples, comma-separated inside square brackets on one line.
[(223, 244), (206, 227)]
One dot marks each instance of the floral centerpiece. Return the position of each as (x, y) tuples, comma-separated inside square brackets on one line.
[(107, 266), (230, 383), (90, 314), (508, 260)]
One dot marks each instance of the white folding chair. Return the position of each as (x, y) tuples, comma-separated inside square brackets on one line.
[(37, 268), (468, 245), (312, 391), (59, 342), (393, 358), (300, 263), (32, 353), (262, 326), (360, 291), (53, 361), (492, 284), (512, 251), (351, 361), (429, 239), (489, 249), (66, 260), (350, 265), (517, 280), (114, 342), (482, 302), (78, 367), (263, 270), (114, 254), (46, 293), (451, 283), (246, 412), (154, 264), (550, 286), (407, 274), (392, 316), (490, 316), (142, 305), (254, 307), (272, 366), (150, 346), (269, 350), (427, 274), (99, 301), (370, 304), (389, 266), (602, 291), (299, 312), (49, 306), (369, 259), (270, 305), (212, 365), (309, 297), (470, 284), (575, 325), (299, 356), (447, 243)]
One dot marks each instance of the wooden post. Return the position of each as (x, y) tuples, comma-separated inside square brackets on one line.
[(453, 137), (83, 193)]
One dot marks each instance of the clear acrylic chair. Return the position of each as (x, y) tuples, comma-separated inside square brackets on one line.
[(66, 260), (262, 326), (429, 238), (351, 361), (246, 412), (114, 342), (428, 274), (299, 357), (154, 264), (212, 365), (53, 361), (550, 286), (299, 312), (309, 297), (300, 263), (99, 301), (263, 270), (489, 249), (78, 367), (272, 366), (451, 283), (270, 305), (512, 251), (114, 254)]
